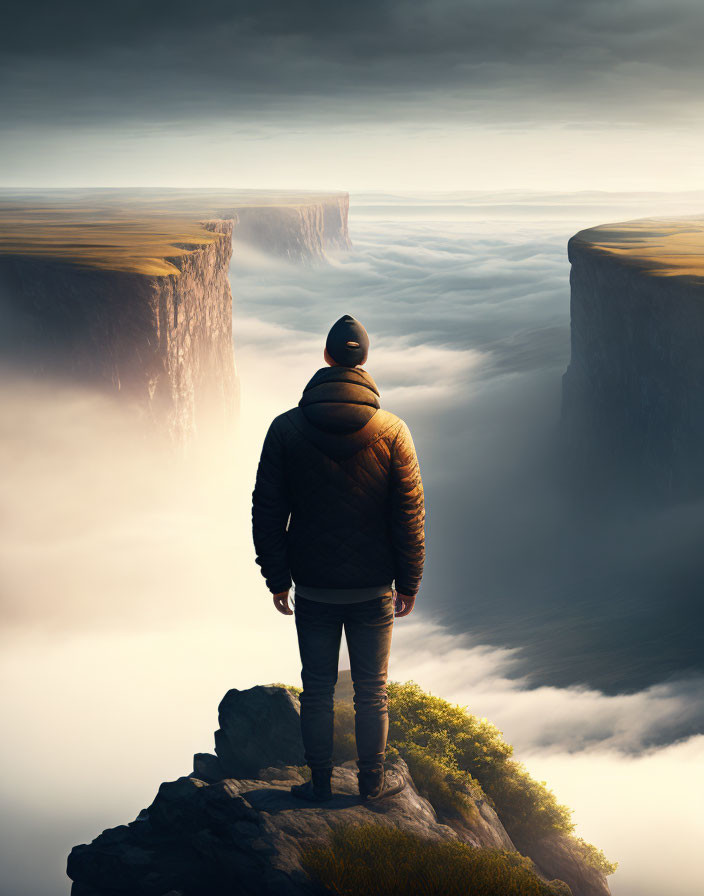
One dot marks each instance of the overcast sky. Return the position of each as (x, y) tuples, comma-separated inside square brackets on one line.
[(370, 94)]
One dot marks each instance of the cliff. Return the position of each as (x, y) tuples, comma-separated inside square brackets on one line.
[(230, 825), (129, 291), (160, 338), (633, 406), (298, 232)]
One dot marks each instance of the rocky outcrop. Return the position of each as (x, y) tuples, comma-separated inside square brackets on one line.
[(232, 826), (243, 743), (633, 406), (241, 836), (559, 856)]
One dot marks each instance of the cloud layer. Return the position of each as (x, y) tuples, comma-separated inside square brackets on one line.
[(427, 61), (131, 602), (469, 324)]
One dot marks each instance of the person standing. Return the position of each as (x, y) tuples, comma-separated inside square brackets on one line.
[(338, 513)]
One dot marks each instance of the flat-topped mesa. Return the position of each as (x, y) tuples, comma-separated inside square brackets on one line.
[(633, 396), (129, 291), (151, 327)]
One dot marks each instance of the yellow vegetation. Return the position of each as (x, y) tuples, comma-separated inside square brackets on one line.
[(663, 247), (138, 246), (118, 230), (382, 861)]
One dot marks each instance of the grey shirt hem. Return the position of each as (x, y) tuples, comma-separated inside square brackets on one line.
[(342, 595)]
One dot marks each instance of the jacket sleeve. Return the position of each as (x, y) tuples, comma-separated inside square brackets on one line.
[(407, 513), (270, 513)]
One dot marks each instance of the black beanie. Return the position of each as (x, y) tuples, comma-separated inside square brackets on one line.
[(348, 342)]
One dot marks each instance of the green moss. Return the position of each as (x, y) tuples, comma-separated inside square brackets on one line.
[(289, 687), (453, 755), (446, 788), (442, 784), (462, 743), (594, 857), (382, 861)]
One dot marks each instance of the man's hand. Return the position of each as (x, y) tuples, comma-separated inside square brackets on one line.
[(281, 603), (404, 604)]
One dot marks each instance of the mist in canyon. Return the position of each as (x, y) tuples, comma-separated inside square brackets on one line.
[(131, 601), (469, 304)]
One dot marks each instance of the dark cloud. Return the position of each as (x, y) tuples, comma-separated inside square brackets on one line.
[(159, 62)]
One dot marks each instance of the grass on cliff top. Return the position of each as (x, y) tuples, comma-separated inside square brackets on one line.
[(453, 755), (132, 231), (138, 245), (661, 247), (382, 861)]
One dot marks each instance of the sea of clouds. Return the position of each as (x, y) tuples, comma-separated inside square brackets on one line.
[(468, 311), (131, 601), (574, 639)]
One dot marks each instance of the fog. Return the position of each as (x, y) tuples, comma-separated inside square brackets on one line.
[(469, 312), (131, 601)]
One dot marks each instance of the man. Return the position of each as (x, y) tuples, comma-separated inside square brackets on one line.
[(346, 474)]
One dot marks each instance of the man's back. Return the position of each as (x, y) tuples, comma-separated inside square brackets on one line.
[(338, 508), (347, 473)]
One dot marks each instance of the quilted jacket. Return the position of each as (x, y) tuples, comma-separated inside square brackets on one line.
[(338, 500)]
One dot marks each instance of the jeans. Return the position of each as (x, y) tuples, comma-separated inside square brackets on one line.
[(368, 625)]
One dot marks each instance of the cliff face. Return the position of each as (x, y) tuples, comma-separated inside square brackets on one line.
[(130, 292), (633, 404), (196, 382), (231, 825), (161, 342), (298, 232)]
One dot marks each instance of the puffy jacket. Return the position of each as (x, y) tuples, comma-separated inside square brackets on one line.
[(338, 500)]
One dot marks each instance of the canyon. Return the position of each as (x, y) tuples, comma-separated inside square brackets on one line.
[(129, 291)]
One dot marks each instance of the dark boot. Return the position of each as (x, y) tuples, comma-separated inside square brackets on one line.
[(318, 789), (376, 786)]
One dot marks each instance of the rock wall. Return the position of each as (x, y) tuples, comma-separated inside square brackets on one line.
[(122, 291), (297, 232), (163, 343), (633, 403)]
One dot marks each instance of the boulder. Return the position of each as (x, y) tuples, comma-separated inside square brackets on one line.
[(259, 727)]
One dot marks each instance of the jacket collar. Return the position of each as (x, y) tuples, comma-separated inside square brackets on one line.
[(355, 376)]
